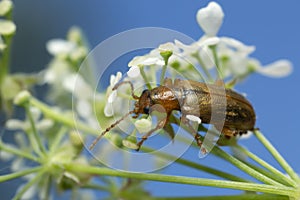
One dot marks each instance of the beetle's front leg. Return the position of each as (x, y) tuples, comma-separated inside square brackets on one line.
[(160, 125)]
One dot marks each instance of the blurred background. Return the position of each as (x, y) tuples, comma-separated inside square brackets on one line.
[(269, 25)]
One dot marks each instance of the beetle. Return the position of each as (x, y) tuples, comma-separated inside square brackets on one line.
[(234, 114)]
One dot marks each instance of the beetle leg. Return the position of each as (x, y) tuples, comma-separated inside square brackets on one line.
[(193, 132), (168, 82), (160, 125)]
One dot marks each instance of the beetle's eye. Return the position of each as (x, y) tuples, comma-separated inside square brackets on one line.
[(146, 110)]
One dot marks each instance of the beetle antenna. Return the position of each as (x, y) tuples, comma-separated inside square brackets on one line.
[(108, 129), (131, 86)]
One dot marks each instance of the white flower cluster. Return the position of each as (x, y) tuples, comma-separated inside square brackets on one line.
[(7, 27), (233, 57)]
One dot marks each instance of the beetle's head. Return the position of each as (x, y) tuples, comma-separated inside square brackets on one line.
[(142, 106)]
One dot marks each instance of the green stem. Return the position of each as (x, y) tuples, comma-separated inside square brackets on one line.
[(142, 71), (280, 190), (36, 137), (242, 166), (28, 185), (264, 172), (94, 187), (57, 139), (61, 118), (230, 197), (17, 152), (276, 155), (25, 172), (5, 59), (201, 63), (215, 55), (266, 165), (195, 165), (163, 73)]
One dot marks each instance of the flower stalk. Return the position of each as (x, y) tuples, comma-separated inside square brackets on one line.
[(271, 189), (276, 155)]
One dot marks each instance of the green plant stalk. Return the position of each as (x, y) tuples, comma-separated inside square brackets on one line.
[(280, 190), (17, 152), (142, 71), (153, 73), (201, 63), (230, 197), (245, 167), (195, 165), (25, 172), (57, 140), (265, 172), (266, 165), (59, 117), (5, 60), (214, 51), (163, 73), (276, 155), (36, 137), (29, 184), (217, 151), (94, 187)]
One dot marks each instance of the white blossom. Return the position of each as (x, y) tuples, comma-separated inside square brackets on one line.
[(143, 125), (210, 18), (194, 118), (133, 72), (41, 124), (277, 69), (111, 95), (58, 47)]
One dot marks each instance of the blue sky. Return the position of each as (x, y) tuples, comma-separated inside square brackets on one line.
[(272, 26)]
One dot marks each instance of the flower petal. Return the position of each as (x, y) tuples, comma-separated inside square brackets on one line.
[(108, 110), (114, 79), (194, 118), (277, 69), (237, 45), (111, 98), (60, 46), (143, 125), (84, 108), (14, 124), (210, 18), (134, 72)]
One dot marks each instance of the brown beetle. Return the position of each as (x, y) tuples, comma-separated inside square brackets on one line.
[(235, 114)]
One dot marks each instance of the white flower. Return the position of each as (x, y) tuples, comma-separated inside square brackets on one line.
[(277, 69), (143, 125), (210, 18), (169, 46), (129, 144), (154, 57), (58, 47), (194, 118), (111, 95), (201, 48), (57, 72), (133, 72), (84, 94), (41, 124)]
